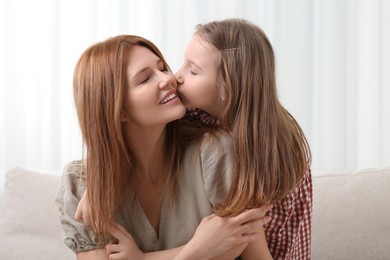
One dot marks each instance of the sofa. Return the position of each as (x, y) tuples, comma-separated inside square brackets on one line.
[(351, 216)]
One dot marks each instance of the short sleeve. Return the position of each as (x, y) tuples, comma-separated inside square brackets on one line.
[(76, 235), (217, 165)]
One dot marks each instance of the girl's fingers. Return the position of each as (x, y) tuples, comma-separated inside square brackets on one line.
[(115, 232), (112, 248), (123, 230), (116, 256)]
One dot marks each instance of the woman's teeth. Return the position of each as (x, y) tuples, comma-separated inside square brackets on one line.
[(170, 97)]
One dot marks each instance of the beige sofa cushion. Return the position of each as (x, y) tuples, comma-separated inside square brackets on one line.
[(351, 216), (29, 222)]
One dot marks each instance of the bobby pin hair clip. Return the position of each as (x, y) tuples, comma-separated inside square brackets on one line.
[(230, 50)]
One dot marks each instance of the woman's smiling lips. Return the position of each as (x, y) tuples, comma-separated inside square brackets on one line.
[(171, 95)]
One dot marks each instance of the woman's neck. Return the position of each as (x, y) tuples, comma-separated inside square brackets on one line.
[(147, 146)]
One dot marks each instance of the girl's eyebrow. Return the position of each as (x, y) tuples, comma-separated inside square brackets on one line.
[(191, 62)]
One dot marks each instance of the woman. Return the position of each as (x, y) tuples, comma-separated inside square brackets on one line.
[(127, 104), (229, 72)]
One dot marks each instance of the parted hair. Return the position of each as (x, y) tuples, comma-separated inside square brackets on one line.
[(100, 86), (271, 153)]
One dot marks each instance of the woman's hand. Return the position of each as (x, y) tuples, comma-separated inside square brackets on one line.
[(124, 248), (216, 235), (83, 213)]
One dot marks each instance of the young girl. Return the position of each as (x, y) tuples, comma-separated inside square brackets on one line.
[(229, 72), (137, 170)]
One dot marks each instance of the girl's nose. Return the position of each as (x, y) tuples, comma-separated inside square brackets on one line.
[(179, 78)]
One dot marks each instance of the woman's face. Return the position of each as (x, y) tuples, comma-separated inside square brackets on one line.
[(198, 77), (151, 97)]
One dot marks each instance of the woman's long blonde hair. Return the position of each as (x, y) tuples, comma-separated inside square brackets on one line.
[(270, 149), (100, 85)]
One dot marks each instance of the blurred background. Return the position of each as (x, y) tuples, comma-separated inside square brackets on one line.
[(333, 70)]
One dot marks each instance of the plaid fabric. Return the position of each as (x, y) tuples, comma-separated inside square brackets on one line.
[(198, 117), (288, 233)]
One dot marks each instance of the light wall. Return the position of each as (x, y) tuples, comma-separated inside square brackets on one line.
[(332, 69)]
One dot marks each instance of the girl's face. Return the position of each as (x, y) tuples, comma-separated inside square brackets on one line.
[(151, 97), (198, 77)]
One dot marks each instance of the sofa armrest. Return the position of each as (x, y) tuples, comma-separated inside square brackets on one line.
[(29, 222), (351, 216)]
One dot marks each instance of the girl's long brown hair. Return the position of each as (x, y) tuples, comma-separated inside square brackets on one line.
[(271, 152), (100, 86)]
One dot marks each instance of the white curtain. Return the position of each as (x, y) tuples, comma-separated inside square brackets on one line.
[(333, 64)]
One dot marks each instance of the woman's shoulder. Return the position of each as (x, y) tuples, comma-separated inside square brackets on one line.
[(73, 177), (76, 168), (76, 235), (217, 138)]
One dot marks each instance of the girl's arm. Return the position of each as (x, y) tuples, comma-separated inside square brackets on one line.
[(99, 254), (215, 238), (228, 236), (257, 249)]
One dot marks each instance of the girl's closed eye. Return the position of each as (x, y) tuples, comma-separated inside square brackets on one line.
[(193, 70)]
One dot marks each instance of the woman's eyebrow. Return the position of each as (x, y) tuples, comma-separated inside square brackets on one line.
[(140, 72), (158, 62)]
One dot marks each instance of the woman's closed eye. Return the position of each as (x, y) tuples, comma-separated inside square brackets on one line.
[(144, 80)]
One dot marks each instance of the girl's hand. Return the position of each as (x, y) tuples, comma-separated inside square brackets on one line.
[(83, 210), (124, 248), (216, 235)]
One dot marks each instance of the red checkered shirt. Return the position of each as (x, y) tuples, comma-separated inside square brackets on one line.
[(288, 233)]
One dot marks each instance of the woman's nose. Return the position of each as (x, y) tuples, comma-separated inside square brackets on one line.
[(167, 80)]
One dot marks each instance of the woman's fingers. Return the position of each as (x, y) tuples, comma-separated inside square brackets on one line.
[(253, 214), (247, 238), (253, 224)]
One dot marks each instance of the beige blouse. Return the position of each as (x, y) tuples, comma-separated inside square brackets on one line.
[(205, 179)]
